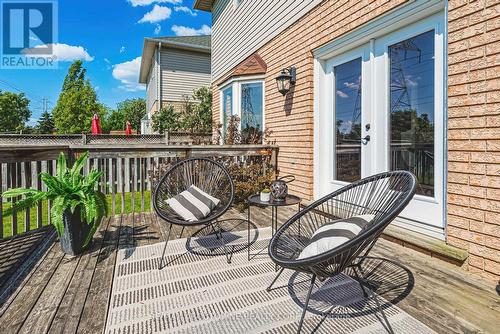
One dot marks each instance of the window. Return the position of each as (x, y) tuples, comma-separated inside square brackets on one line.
[(412, 108), (251, 112), (348, 120), (244, 99), (227, 107)]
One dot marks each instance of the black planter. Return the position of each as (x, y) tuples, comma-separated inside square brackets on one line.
[(75, 231)]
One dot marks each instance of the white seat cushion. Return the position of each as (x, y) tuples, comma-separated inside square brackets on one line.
[(193, 204), (333, 234)]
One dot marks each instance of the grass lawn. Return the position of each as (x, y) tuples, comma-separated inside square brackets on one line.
[(7, 221)]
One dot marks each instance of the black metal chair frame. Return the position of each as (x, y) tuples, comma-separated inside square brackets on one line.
[(384, 195), (208, 175)]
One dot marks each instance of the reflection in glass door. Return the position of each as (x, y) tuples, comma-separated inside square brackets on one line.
[(412, 109), (348, 120)]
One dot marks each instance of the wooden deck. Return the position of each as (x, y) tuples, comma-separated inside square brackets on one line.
[(46, 291)]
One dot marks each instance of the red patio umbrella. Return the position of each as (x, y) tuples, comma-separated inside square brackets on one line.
[(96, 125), (128, 129)]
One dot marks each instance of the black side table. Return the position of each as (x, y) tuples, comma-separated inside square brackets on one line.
[(254, 200)]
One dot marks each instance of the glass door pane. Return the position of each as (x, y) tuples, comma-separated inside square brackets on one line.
[(348, 120), (251, 112), (412, 109)]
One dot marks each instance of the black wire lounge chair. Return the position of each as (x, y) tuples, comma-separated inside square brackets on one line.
[(206, 174), (383, 195)]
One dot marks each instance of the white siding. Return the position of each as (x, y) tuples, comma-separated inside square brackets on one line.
[(183, 72), (152, 85), (238, 31)]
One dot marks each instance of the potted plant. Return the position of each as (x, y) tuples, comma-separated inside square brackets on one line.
[(77, 207), (265, 195)]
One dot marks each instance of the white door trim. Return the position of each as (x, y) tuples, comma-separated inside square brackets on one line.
[(412, 20)]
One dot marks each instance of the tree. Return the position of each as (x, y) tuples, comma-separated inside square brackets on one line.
[(14, 111), (45, 123), (133, 110), (197, 117), (165, 120), (77, 102), (114, 120)]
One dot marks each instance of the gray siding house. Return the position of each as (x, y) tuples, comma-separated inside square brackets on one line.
[(171, 68)]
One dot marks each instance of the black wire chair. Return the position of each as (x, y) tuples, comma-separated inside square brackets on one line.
[(383, 195), (208, 175)]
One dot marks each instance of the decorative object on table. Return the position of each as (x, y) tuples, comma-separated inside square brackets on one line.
[(265, 195), (383, 196), (77, 207), (279, 187), (207, 175)]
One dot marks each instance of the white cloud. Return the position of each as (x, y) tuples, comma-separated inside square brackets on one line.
[(63, 52), (342, 94), (157, 14), (185, 10), (188, 31), (128, 74), (411, 81), (136, 3), (122, 49), (157, 29), (351, 85)]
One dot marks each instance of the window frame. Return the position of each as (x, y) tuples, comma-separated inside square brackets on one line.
[(236, 84)]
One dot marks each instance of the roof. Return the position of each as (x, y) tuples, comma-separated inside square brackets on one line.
[(194, 41), (200, 44), (205, 5)]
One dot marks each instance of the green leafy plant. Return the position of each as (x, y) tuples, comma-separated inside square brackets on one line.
[(67, 190), (266, 190)]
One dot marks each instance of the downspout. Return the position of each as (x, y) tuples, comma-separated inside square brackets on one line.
[(159, 78)]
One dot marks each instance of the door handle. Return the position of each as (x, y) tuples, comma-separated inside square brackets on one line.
[(366, 139)]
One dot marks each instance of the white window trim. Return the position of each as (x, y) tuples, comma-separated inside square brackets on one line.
[(235, 84)]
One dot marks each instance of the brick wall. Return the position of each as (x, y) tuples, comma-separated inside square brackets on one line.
[(474, 132), (473, 192), (291, 118)]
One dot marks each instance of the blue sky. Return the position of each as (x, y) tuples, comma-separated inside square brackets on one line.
[(108, 36)]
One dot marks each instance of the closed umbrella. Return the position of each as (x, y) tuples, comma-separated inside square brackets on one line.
[(96, 125), (128, 129)]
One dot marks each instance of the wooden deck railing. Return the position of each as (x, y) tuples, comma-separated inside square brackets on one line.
[(127, 173)]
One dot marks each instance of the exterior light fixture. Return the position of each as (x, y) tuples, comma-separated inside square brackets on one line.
[(286, 79)]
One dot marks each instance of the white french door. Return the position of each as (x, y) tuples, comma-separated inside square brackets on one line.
[(381, 108)]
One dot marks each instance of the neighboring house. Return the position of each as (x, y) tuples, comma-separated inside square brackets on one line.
[(381, 85), (172, 68)]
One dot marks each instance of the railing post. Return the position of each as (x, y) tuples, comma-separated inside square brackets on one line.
[(274, 160), (167, 138), (84, 139)]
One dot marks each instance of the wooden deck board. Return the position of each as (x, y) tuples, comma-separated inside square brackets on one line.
[(93, 317), (69, 311), (71, 295), (17, 250), (19, 309)]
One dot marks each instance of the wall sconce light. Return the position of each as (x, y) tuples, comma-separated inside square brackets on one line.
[(286, 79)]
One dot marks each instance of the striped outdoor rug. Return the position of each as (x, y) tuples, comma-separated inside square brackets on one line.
[(199, 292)]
